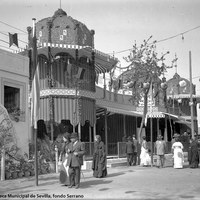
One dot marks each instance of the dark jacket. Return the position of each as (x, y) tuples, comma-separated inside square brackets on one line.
[(76, 161), (129, 147), (136, 145)]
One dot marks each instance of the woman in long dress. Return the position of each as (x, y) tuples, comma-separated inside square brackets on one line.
[(99, 159), (64, 174), (145, 159), (177, 150), (193, 155)]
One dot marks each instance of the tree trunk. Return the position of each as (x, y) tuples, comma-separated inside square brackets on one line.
[(144, 113)]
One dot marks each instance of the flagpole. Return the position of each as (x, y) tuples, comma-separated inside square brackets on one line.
[(35, 128)]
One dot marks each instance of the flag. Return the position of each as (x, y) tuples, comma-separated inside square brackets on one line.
[(35, 96), (13, 39), (80, 73)]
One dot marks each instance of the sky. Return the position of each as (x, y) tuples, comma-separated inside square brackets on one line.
[(118, 24)]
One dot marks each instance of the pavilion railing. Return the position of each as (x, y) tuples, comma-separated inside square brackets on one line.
[(118, 149)]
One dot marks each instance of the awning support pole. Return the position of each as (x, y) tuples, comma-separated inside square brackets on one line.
[(106, 131), (124, 125), (191, 99)]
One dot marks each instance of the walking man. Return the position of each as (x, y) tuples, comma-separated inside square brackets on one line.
[(160, 151), (135, 153), (129, 151), (76, 151)]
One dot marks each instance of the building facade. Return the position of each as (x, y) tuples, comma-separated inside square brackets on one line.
[(14, 82)]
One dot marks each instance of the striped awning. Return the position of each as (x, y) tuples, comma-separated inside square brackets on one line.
[(124, 112), (69, 109), (100, 68)]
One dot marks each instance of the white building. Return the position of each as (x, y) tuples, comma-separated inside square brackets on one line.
[(14, 79)]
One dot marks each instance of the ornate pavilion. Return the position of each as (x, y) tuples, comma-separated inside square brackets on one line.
[(69, 98)]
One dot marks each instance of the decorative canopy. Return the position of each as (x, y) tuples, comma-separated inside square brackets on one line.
[(103, 62)]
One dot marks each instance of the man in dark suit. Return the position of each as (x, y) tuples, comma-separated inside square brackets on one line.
[(76, 151), (129, 151)]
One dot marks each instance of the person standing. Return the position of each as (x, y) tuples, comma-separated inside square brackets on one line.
[(193, 155), (145, 159), (160, 151), (135, 153), (129, 151), (76, 150), (177, 151), (99, 158), (63, 157)]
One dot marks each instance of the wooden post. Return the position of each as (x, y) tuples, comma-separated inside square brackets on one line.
[(158, 127), (104, 86), (90, 139), (124, 125), (35, 129), (94, 130), (3, 164), (106, 131), (191, 99), (79, 131), (166, 131), (56, 157)]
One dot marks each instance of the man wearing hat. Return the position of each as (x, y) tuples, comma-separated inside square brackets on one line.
[(76, 151), (136, 148), (160, 151), (129, 151)]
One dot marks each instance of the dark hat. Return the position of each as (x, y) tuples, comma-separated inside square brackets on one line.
[(74, 135), (129, 138)]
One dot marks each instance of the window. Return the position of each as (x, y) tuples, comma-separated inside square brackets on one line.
[(11, 97), (14, 98)]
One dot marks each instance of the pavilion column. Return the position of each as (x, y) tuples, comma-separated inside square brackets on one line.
[(90, 139), (51, 80), (124, 125), (106, 131), (79, 130), (104, 86), (165, 133), (158, 126), (94, 130)]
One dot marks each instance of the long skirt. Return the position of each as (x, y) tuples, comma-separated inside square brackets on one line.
[(145, 159), (178, 158), (64, 177)]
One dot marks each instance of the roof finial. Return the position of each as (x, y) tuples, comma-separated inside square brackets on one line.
[(60, 4)]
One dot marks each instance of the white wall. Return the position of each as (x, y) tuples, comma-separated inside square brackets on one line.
[(14, 71)]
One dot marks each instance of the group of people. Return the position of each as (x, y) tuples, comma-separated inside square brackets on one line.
[(160, 149), (71, 159), (73, 150)]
